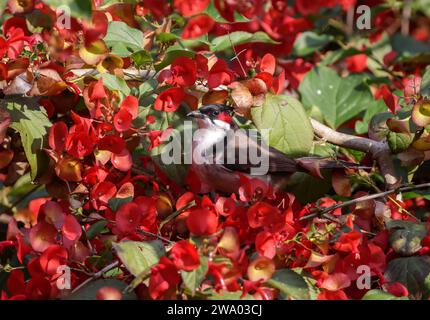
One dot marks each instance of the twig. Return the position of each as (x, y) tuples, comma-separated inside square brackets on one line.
[(364, 198), (96, 275), (379, 150), (129, 74), (406, 17), (150, 234), (350, 21)]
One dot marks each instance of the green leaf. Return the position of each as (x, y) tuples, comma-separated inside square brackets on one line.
[(290, 284), (406, 236), (139, 257), (408, 48), (290, 128), (411, 272), (339, 99), (399, 142), (308, 42), (141, 58), (32, 123), (115, 83), (362, 126), (226, 295), (212, 11), (335, 56), (236, 38), (96, 228), (376, 294), (78, 8), (166, 37), (122, 39), (307, 188), (193, 279), (89, 291), (116, 203), (2, 7), (147, 87), (425, 83), (171, 54), (426, 291)]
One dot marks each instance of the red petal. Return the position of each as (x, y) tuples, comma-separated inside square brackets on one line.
[(169, 100), (57, 136), (122, 120), (131, 104)]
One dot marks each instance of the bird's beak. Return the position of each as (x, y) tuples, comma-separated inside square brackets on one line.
[(195, 114)]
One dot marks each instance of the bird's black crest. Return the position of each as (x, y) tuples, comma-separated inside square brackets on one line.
[(211, 109)]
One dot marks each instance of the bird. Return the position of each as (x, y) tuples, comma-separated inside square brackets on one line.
[(219, 172)]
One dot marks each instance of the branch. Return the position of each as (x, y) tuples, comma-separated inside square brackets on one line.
[(379, 150), (129, 74), (97, 275), (364, 198), (406, 17)]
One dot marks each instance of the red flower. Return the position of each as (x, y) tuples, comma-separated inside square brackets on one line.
[(128, 218), (253, 189), (268, 64), (164, 279), (202, 222), (348, 242), (131, 104), (265, 244), (332, 295), (79, 144), (42, 235), (397, 289), (38, 288), (219, 74), (111, 143), (185, 255), (296, 70), (122, 120), (182, 72), (71, 229), (262, 214), (15, 283), (13, 44), (157, 137), (198, 26), (52, 258), (101, 193), (122, 161), (57, 136), (148, 209), (357, 63), (169, 100), (190, 7)]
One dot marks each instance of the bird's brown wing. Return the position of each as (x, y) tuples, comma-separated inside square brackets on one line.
[(278, 162), (242, 144)]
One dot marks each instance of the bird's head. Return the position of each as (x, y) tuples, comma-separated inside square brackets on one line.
[(218, 115)]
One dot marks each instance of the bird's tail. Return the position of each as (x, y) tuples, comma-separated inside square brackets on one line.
[(313, 165)]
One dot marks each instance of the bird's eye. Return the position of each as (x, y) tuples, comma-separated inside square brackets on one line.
[(215, 113)]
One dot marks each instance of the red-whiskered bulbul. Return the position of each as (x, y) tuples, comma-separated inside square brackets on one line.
[(220, 169)]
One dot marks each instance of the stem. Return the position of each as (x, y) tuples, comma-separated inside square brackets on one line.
[(365, 198), (350, 21), (150, 234), (379, 150), (406, 17), (96, 275)]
